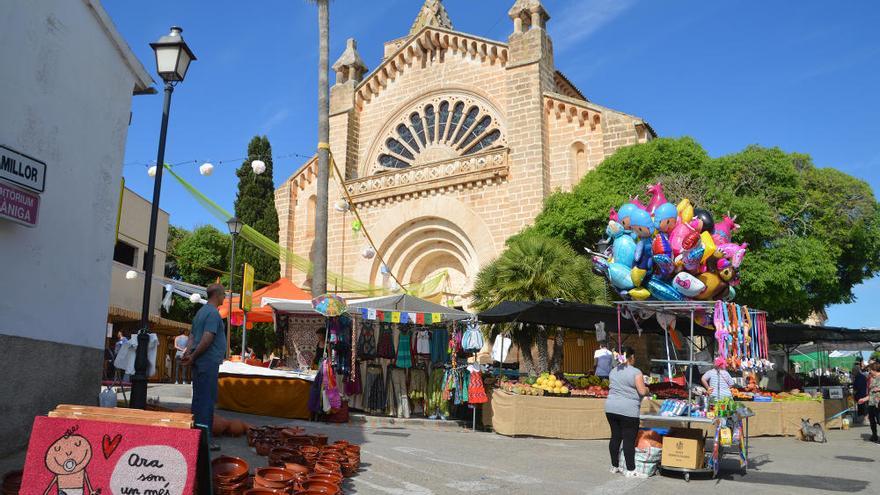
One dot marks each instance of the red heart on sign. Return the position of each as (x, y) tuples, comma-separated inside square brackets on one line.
[(109, 446)]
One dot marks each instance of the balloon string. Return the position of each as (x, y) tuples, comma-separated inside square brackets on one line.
[(619, 343)]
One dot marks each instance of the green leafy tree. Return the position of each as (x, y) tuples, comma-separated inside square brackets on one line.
[(199, 257), (255, 206), (533, 268), (813, 233)]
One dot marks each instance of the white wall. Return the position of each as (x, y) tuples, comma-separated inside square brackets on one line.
[(65, 95), (134, 229)]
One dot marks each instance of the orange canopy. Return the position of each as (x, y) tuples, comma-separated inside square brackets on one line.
[(280, 289)]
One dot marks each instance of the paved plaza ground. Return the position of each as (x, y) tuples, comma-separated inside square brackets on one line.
[(425, 459)]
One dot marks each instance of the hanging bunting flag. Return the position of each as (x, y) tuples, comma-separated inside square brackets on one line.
[(380, 316), (411, 317), (436, 318), (371, 314), (404, 317), (395, 317), (420, 318), (386, 316), (429, 318), (365, 313)]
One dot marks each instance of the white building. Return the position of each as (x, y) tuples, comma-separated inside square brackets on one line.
[(65, 89)]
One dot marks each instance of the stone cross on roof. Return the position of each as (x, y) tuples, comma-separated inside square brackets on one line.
[(433, 13)]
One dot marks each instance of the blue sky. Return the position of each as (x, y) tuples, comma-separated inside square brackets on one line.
[(802, 76)]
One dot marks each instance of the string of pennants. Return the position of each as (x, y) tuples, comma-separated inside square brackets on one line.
[(401, 316)]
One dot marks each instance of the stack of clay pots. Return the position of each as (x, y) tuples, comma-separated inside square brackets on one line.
[(12, 483), (230, 475)]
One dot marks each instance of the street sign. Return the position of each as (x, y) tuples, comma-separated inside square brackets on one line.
[(21, 169), (247, 288), (18, 205)]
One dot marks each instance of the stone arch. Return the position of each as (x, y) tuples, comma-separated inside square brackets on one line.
[(436, 233), (579, 161)]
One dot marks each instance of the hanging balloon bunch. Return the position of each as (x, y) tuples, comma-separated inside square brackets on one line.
[(670, 253), (741, 336)]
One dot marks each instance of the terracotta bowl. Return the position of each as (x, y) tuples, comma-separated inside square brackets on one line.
[(292, 432), (307, 450), (227, 468), (274, 477), (328, 467), (321, 487), (332, 456), (295, 468), (326, 477), (264, 491), (263, 446)]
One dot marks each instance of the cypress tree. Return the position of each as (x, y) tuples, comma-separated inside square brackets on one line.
[(255, 206)]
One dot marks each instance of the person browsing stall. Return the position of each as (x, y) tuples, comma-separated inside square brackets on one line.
[(205, 352), (873, 398), (603, 358), (622, 408), (718, 381)]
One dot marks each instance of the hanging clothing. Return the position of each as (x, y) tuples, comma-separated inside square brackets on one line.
[(423, 342), (314, 403), (401, 401), (476, 391), (501, 348), (440, 346), (366, 347), (418, 384), (472, 341), (353, 382), (386, 341), (374, 390), (404, 360), (436, 406)]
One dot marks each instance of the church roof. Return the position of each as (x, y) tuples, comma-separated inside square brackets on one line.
[(350, 57), (433, 14)]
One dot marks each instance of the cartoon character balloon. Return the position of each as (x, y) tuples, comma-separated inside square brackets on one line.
[(670, 252)]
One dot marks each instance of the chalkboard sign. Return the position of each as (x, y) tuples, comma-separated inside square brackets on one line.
[(85, 457)]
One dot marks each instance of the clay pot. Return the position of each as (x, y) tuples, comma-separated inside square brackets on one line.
[(273, 477), (292, 432), (263, 491), (263, 446), (236, 428), (321, 487), (228, 469), (320, 439), (328, 467), (326, 477), (332, 456), (254, 433), (297, 469)]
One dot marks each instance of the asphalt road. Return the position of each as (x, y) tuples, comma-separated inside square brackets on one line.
[(424, 460), (418, 461)]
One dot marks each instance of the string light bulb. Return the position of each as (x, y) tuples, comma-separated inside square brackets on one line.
[(368, 252), (258, 166), (341, 205), (131, 275), (151, 171), (206, 169), (195, 298)]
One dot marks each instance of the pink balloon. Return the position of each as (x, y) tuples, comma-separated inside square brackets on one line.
[(733, 252), (636, 201), (657, 197), (724, 230), (679, 232)]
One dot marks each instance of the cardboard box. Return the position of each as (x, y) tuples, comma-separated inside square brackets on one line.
[(684, 448)]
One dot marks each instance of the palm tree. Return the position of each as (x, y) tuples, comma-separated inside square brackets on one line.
[(533, 268), (319, 260)]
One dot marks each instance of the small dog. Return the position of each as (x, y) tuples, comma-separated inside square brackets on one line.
[(812, 432)]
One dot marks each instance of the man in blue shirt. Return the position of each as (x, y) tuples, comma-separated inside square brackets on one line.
[(205, 351)]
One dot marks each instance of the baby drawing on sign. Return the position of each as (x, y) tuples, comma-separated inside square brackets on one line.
[(68, 458)]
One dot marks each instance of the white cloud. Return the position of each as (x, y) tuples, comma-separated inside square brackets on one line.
[(276, 118), (581, 18)]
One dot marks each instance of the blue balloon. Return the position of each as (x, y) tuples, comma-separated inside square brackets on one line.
[(665, 211), (626, 211), (662, 291), (624, 249), (619, 275)]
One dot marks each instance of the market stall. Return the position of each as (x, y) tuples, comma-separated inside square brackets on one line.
[(264, 392)]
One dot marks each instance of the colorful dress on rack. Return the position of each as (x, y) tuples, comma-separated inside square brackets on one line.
[(404, 360), (476, 391), (374, 390), (423, 342), (366, 347), (436, 406), (386, 341)]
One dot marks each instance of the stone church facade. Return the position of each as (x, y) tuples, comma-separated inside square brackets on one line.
[(447, 148)]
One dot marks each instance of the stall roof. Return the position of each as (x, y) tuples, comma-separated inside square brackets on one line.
[(281, 289), (402, 303), (407, 303), (799, 333), (559, 313)]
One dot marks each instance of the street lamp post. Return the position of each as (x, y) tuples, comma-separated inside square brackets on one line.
[(173, 57), (234, 225)]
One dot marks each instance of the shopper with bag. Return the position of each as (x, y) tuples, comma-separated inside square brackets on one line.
[(205, 352), (622, 408), (873, 398)]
